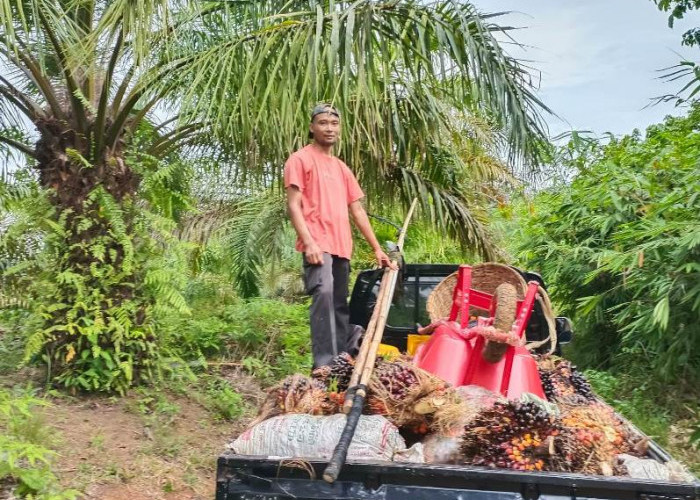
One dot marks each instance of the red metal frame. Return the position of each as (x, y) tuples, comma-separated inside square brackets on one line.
[(464, 296)]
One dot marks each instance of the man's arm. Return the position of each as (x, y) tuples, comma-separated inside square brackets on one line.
[(362, 222), (312, 251)]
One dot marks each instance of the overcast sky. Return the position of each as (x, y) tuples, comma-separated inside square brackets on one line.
[(599, 59)]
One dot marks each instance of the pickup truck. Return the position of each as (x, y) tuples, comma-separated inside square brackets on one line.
[(246, 477)]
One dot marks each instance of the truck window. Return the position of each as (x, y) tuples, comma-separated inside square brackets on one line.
[(408, 308)]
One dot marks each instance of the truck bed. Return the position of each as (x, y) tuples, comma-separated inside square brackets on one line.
[(256, 478)]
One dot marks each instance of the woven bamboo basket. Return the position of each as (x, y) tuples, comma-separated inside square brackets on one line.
[(485, 278)]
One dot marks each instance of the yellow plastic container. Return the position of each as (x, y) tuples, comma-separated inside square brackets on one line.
[(388, 351), (414, 341)]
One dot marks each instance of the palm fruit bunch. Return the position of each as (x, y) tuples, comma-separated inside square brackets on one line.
[(398, 378), (396, 387), (591, 438), (562, 382), (390, 383), (296, 394), (300, 394), (512, 435), (336, 375)]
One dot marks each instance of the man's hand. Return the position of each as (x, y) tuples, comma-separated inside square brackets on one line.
[(383, 259), (313, 253)]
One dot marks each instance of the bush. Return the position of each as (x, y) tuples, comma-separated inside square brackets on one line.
[(96, 281), (270, 338), (620, 248)]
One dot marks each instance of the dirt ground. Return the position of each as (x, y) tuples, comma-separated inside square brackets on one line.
[(109, 451), (153, 446)]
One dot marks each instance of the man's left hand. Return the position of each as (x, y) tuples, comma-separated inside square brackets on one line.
[(383, 260)]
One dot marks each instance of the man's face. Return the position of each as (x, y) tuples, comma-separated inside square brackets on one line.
[(325, 128)]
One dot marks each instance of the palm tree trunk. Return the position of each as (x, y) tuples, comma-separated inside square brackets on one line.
[(72, 182)]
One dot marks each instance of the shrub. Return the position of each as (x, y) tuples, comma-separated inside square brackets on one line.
[(25, 461), (620, 248)]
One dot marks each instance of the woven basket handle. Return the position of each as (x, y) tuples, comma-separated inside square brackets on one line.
[(548, 311)]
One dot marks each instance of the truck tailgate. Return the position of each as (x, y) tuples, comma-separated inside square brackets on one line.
[(245, 477)]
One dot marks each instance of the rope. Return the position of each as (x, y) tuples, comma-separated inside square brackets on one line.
[(492, 333), (495, 335)]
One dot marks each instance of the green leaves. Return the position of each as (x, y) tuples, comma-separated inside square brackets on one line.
[(248, 234), (688, 70), (25, 458), (621, 247), (661, 313), (96, 285), (406, 76)]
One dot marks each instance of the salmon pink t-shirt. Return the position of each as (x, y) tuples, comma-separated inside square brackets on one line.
[(327, 187)]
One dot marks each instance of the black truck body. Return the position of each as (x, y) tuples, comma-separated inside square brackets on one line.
[(242, 477)]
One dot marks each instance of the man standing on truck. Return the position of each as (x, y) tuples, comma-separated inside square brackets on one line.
[(321, 194)]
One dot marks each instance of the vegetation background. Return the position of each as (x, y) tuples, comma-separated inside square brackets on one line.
[(149, 290)]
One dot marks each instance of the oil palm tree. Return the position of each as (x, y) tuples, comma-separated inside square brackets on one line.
[(83, 77)]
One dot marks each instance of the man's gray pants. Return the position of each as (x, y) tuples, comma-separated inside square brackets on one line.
[(329, 313)]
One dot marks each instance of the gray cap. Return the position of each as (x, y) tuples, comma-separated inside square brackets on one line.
[(324, 108)]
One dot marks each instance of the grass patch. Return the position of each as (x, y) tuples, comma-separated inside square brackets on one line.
[(25, 455)]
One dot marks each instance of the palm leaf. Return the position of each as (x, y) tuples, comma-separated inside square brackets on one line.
[(394, 68), (450, 211), (252, 237), (249, 232)]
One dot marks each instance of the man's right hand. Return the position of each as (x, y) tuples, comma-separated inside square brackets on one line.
[(313, 254)]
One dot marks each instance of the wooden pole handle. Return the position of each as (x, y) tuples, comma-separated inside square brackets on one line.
[(366, 342), (381, 311)]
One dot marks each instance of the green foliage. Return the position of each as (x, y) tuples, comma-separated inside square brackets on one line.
[(424, 243), (25, 459), (273, 332), (620, 249), (12, 338), (695, 436), (96, 287), (685, 70), (166, 181), (269, 338), (678, 10), (254, 235), (222, 400), (156, 402)]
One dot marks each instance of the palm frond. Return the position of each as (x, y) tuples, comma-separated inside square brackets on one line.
[(451, 211), (252, 237), (249, 234), (395, 69)]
